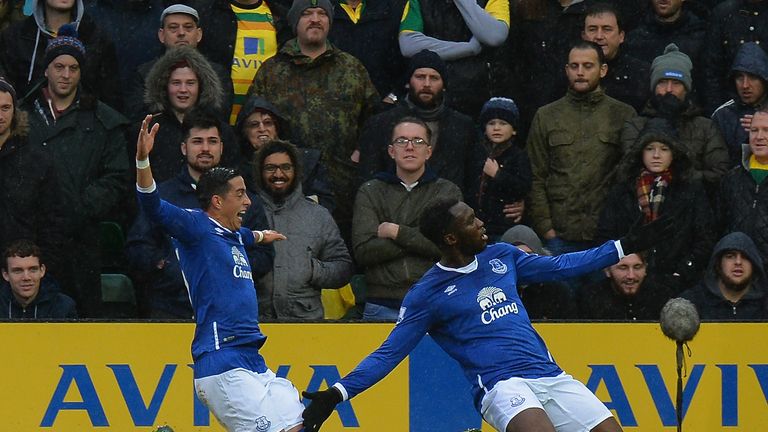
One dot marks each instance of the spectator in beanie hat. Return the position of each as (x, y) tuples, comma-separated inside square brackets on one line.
[(506, 177), (85, 139), (671, 84), (23, 45)]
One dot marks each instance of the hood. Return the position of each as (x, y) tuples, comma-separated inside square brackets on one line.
[(271, 206), (156, 94), (741, 242), (20, 123), (655, 129), (38, 7), (751, 58), (252, 104)]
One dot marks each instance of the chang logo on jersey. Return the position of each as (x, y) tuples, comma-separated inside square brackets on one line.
[(494, 304), (241, 267), (497, 266)]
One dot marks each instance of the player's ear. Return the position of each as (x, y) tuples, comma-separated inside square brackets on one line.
[(449, 239)]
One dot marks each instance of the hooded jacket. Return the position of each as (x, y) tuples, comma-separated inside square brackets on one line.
[(49, 303), (743, 204), (314, 180), (731, 24), (166, 155), (711, 303), (22, 49), (683, 256), (312, 258), (750, 58), (699, 136)]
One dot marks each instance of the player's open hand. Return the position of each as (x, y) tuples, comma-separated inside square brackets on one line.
[(322, 405), (146, 139)]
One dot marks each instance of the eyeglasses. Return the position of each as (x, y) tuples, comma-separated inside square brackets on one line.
[(271, 168), (402, 142), (255, 123)]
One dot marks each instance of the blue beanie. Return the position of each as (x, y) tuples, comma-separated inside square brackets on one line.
[(500, 108)]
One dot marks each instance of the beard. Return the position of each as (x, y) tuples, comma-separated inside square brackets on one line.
[(436, 101), (669, 106)]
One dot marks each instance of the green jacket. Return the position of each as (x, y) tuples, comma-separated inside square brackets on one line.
[(326, 101), (89, 153), (392, 266), (574, 148)]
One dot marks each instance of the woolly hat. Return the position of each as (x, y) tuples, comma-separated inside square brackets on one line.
[(673, 64), (300, 6), (500, 108), (6, 87), (521, 234), (427, 59), (65, 42)]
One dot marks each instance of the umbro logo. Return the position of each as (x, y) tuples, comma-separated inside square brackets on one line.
[(219, 231), (497, 266), (450, 290)]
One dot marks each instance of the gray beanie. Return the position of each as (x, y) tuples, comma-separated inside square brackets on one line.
[(521, 234), (673, 64), (300, 6)]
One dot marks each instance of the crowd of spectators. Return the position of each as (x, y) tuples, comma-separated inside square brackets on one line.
[(563, 123)]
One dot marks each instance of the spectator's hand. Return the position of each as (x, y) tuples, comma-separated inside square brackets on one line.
[(514, 212), (355, 156), (388, 230), (322, 405), (491, 167), (549, 235), (146, 139), (746, 122), (642, 237)]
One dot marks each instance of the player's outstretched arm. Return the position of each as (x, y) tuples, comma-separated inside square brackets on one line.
[(268, 236), (144, 144), (322, 405)]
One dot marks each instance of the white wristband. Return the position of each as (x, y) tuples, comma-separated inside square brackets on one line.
[(142, 164), (260, 235)]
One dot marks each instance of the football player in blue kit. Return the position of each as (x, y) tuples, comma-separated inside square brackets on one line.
[(468, 303), (231, 376)]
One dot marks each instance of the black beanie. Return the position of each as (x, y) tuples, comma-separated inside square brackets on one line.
[(65, 42), (427, 59)]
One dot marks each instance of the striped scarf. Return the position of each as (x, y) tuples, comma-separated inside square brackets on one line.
[(651, 189)]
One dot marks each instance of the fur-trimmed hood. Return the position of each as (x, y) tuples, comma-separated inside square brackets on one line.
[(156, 91), (20, 123)]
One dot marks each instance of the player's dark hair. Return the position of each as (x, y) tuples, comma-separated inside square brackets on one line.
[(20, 248), (605, 8), (215, 181), (200, 118), (436, 220), (586, 45)]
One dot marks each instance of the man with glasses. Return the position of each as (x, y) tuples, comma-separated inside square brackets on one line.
[(313, 256), (385, 232)]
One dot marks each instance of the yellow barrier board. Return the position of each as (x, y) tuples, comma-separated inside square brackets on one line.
[(133, 376)]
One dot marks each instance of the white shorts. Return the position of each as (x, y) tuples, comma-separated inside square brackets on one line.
[(247, 401), (568, 403)]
